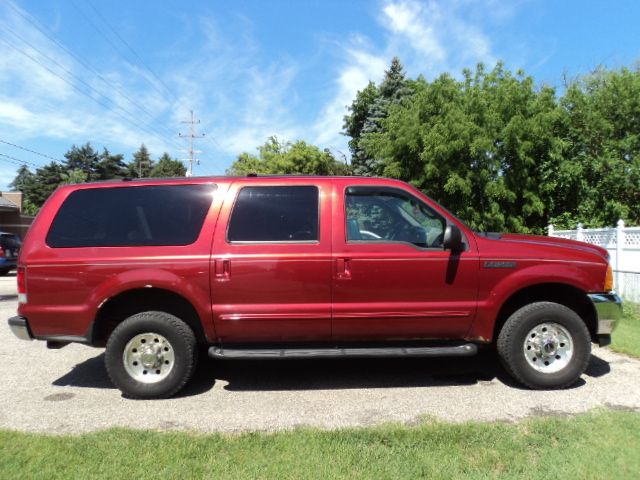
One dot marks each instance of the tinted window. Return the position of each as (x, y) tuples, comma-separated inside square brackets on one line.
[(390, 215), (275, 214), (131, 216)]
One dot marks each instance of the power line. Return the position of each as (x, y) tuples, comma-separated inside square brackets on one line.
[(80, 90), (15, 160), (144, 64), (31, 151), (191, 135), (113, 45), (80, 80), (79, 59)]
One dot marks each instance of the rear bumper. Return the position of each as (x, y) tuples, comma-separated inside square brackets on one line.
[(608, 308), (20, 328)]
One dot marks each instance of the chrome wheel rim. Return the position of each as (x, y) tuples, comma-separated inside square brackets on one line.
[(148, 357), (548, 347)]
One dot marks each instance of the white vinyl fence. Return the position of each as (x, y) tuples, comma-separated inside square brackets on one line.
[(623, 244)]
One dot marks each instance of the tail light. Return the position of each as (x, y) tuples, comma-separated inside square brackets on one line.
[(22, 284), (1, 252)]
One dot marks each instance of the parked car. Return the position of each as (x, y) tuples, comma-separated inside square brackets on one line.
[(10, 244), (299, 267)]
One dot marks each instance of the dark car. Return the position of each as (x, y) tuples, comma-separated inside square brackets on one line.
[(10, 244)]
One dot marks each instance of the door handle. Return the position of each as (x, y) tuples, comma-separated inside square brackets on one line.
[(222, 269), (343, 271)]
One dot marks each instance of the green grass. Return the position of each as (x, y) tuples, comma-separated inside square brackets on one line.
[(601, 444), (626, 338)]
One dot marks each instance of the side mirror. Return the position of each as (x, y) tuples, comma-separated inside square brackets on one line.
[(452, 239)]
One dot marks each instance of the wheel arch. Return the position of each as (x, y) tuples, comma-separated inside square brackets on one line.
[(136, 300), (562, 293)]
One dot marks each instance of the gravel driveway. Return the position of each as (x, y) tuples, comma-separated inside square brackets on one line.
[(67, 390)]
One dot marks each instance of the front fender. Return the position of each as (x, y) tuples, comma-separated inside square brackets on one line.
[(498, 285)]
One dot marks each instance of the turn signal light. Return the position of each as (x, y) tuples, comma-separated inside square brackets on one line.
[(608, 280)]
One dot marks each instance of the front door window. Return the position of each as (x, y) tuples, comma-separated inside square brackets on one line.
[(389, 216)]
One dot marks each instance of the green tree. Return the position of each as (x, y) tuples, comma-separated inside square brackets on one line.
[(141, 164), (354, 123), (481, 146), (25, 182), (83, 158), (74, 176), (110, 166), (46, 180), (368, 111), (598, 180), (276, 157), (168, 167)]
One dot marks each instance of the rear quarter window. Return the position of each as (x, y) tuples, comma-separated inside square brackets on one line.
[(156, 215)]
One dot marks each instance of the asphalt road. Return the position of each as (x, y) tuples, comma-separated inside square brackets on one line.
[(68, 390)]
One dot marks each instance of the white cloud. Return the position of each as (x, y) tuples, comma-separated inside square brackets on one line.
[(417, 23), (38, 98), (247, 99), (361, 67), (437, 36), (243, 94), (429, 38)]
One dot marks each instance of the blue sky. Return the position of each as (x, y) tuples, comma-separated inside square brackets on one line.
[(251, 69)]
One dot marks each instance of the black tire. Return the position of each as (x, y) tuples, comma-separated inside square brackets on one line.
[(181, 340), (4, 272), (511, 345)]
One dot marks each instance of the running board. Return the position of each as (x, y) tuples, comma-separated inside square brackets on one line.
[(465, 350)]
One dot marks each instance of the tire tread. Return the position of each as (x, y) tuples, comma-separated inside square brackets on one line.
[(508, 335), (180, 327)]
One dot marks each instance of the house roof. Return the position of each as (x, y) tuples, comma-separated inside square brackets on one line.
[(7, 205)]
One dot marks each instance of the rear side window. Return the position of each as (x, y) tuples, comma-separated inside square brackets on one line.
[(275, 214), (154, 215)]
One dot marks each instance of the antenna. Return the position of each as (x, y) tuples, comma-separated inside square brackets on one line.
[(191, 135)]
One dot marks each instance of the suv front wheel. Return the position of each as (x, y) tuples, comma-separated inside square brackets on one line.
[(151, 355), (545, 345)]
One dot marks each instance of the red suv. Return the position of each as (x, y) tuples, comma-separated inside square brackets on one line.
[(299, 267)]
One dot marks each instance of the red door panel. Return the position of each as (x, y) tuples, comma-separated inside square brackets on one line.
[(387, 291), (270, 291)]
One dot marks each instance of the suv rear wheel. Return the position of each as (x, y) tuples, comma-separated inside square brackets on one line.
[(545, 345), (151, 355)]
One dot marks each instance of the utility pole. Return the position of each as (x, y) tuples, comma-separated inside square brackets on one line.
[(191, 135)]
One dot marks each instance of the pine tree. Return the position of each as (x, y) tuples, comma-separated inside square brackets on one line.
[(354, 123), (370, 108), (110, 166), (141, 164), (23, 181), (168, 167), (46, 180), (83, 158)]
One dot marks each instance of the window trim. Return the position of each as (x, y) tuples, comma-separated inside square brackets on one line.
[(213, 187), (273, 242), (373, 189)]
